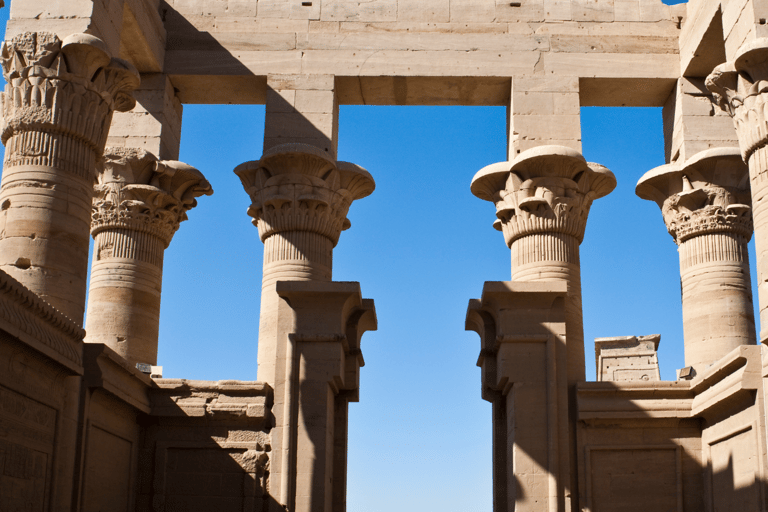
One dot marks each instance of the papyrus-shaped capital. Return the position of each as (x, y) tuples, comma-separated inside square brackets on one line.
[(296, 187), (708, 193), (136, 191), (547, 189)]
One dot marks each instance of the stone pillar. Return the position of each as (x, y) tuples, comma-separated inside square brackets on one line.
[(523, 374), (57, 109), (138, 205), (705, 203), (300, 199), (542, 201), (738, 87)]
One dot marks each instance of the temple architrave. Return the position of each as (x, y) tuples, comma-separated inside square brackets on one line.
[(92, 119)]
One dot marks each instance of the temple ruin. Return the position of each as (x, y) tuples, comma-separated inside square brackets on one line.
[(92, 126)]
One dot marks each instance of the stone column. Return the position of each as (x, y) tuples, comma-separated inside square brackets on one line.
[(739, 88), (300, 199), (705, 203), (542, 201), (57, 109), (138, 205)]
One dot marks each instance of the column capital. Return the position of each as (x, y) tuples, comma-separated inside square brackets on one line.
[(546, 189), (297, 187), (708, 193), (136, 191), (70, 87), (739, 88)]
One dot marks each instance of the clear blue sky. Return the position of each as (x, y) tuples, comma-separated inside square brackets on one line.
[(421, 246)]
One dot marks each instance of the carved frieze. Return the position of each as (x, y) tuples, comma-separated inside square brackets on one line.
[(296, 187), (135, 191), (547, 189), (709, 193), (59, 99)]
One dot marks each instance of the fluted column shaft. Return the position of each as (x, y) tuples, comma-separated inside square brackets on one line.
[(137, 208), (717, 297), (57, 109)]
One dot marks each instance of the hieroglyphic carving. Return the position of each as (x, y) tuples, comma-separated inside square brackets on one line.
[(138, 193), (27, 432), (547, 189), (59, 99)]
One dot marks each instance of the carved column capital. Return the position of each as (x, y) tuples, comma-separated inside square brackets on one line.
[(297, 187), (136, 191), (708, 193), (740, 88), (67, 88), (547, 189)]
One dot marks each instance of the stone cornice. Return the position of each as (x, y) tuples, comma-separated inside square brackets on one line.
[(547, 189), (137, 192), (297, 187), (225, 399), (740, 88), (30, 316), (68, 87), (708, 193)]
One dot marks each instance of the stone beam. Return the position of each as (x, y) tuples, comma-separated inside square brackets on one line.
[(131, 29), (390, 59)]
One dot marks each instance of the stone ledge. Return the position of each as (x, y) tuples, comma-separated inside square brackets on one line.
[(57, 336), (224, 399)]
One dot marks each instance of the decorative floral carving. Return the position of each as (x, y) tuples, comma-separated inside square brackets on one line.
[(56, 87), (137, 192), (296, 187), (547, 189), (709, 193)]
